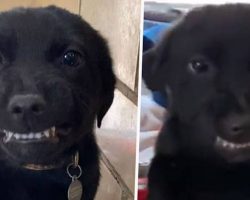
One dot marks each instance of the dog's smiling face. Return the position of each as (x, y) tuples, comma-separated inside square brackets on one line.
[(56, 78), (204, 64)]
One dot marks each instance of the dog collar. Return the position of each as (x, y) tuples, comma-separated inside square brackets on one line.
[(75, 189), (38, 167)]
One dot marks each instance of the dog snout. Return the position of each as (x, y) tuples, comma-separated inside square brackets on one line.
[(236, 127), (26, 104)]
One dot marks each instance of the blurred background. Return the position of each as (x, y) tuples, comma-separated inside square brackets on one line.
[(159, 16)]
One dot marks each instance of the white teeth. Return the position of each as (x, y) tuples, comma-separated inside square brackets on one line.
[(23, 136), (29, 136), (17, 136), (231, 145), (52, 131), (46, 133), (38, 135), (8, 136)]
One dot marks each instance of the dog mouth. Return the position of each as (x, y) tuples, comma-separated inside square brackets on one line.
[(233, 151), (51, 134), (231, 146), (40, 146)]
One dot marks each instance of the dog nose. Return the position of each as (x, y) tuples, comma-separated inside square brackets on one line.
[(31, 104), (236, 127)]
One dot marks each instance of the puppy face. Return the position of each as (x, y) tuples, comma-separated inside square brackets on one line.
[(56, 78), (204, 65)]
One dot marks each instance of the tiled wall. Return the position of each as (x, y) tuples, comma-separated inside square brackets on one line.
[(118, 21)]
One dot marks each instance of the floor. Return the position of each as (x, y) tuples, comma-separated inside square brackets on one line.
[(118, 154)]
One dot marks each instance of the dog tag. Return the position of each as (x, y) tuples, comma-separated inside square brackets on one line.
[(75, 190)]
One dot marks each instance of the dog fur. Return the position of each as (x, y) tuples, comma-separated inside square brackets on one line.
[(203, 64), (56, 59)]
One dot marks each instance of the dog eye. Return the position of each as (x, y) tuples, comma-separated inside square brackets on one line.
[(72, 58), (198, 66)]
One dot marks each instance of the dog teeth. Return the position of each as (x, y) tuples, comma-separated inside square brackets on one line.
[(38, 135), (231, 145), (52, 131), (31, 136), (49, 133), (46, 133), (8, 136), (24, 136), (17, 136)]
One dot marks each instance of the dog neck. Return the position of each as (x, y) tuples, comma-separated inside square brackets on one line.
[(40, 167)]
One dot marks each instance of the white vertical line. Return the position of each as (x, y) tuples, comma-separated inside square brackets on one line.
[(139, 102)]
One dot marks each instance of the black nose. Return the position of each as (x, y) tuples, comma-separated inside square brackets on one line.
[(236, 127), (29, 104)]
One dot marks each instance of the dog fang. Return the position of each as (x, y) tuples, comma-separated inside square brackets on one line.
[(8, 136)]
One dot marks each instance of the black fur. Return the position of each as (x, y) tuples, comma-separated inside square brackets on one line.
[(203, 64), (33, 45)]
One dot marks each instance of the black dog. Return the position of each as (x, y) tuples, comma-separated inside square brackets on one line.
[(55, 78), (203, 63)]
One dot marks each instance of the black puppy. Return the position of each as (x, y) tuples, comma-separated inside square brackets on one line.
[(55, 78), (203, 63)]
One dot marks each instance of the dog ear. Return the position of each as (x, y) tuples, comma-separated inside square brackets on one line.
[(149, 60), (154, 60), (107, 101), (108, 83)]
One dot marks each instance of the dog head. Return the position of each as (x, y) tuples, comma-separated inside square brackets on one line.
[(56, 78), (203, 64)]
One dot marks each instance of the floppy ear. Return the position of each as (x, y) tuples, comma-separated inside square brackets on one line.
[(149, 60), (152, 69), (108, 83), (154, 62)]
